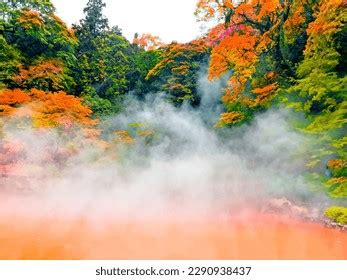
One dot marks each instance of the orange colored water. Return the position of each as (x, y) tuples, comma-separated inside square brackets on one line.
[(261, 237)]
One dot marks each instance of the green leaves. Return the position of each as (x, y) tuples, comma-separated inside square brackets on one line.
[(176, 72), (320, 91), (104, 62), (9, 60), (38, 47)]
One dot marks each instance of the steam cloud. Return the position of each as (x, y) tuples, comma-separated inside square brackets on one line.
[(187, 169)]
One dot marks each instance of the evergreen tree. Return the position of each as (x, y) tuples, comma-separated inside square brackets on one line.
[(103, 61), (94, 25)]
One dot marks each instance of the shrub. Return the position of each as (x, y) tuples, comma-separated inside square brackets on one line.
[(337, 214)]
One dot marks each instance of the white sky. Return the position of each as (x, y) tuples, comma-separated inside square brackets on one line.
[(168, 19)]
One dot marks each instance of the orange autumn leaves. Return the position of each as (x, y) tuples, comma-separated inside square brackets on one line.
[(236, 52), (209, 9), (239, 53), (148, 42), (48, 73), (247, 45), (45, 109), (254, 10)]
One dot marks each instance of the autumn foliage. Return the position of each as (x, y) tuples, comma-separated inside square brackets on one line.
[(47, 74), (249, 43), (246, 44), (45, 109), (39, 112), (176, 71), (30, 18), (148, 41), (266, 53), (285, 53)]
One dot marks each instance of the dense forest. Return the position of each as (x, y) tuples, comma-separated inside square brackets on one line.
[(272, 54)]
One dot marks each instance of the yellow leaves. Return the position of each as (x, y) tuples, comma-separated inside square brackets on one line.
[(30, 18), (340, 143), (182, 69), (229, 118), (174, 51), (172, 85), (323, 27), (338, 183), (57, 19), (124, 137), (136, 125), (137, 131), (337, 214), (146, 133), (67, 32), (313, 163), (339, 180)]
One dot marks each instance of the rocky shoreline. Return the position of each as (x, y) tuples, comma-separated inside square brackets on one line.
[(330, 224), (312, 215)]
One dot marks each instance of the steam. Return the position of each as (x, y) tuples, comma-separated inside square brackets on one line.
[(185, 169)]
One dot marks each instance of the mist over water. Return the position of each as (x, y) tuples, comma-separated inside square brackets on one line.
[(187, 168), (187, 191)]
